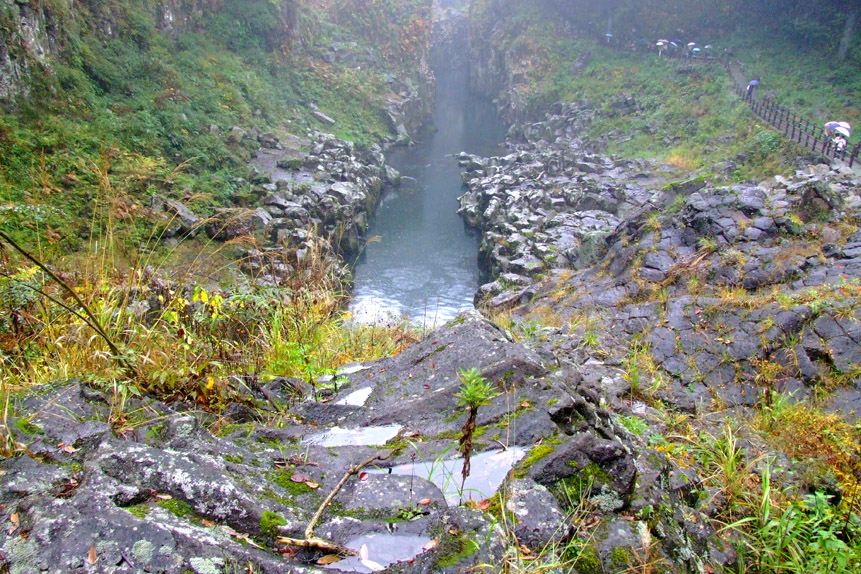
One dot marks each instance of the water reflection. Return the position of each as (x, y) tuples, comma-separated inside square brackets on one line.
[(366, 436), (383, 549), (488, 471)]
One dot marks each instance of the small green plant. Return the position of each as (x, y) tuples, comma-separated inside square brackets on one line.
[(707, 244), (723, 458), (635, 425), (808, 535), (773, 410), (475, 391)]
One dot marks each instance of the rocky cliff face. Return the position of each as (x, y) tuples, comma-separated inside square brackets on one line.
[(491, 71), (500, 63), (28, 36)]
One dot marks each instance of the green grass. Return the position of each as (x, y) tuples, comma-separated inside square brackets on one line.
[(687, 117), (140, 105), (807, 80)]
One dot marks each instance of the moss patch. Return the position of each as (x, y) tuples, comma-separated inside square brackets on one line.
[(535, 454), (586, 560), (178, 508), (620, 556), (269, 523), (282, 479), (456, 549), (25, 426), (138, 510)]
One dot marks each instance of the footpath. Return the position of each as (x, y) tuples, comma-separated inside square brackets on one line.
[(807, 134)]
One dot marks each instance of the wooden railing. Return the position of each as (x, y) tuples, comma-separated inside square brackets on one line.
[(800, 130)]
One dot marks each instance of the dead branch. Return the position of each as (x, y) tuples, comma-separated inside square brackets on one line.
[(311, 541)]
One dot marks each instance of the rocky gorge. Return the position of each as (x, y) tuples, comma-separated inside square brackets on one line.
[(650, 291), (737, 275), (634, 313)]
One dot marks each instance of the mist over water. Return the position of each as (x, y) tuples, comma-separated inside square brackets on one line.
[(425, 264)]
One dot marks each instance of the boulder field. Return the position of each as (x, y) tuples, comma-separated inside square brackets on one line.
[(632, 301), (180, 491)]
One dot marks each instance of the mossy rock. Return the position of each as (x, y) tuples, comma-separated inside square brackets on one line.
[(269, 523), (536, 453)]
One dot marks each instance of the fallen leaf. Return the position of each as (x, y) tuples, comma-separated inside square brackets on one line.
[(372, 566), (453, 531), (240, 536), (363, 476), (482, 505), (69, 449), (299, 477), (208, 523), (593, 522), (14, 518), (524, 549), (163, 496), (424, 501), (328, 559), (92, 557), (312, 485), (431, 545)]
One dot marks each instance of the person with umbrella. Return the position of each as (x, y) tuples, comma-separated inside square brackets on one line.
[(748, 96), (831, 127), (841, 136), (688, 53)]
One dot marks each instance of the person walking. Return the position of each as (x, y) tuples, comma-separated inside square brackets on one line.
[(748, 96)]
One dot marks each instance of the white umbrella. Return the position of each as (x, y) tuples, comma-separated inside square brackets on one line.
[(843, 131)]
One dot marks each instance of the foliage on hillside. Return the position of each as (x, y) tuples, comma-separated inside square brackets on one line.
[(397, 28), (158, 105), (687, 116), (128, 108)]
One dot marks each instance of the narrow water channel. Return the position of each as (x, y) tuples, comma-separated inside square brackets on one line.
[(425, 264)]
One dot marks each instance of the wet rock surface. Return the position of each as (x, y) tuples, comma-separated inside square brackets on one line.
[(715, 285), (549, 203), (180, 491), (319, 183)]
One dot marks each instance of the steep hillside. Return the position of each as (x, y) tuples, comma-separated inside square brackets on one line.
[(145, 97), (529, 56)]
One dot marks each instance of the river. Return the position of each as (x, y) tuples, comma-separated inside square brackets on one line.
[(422, 263)]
